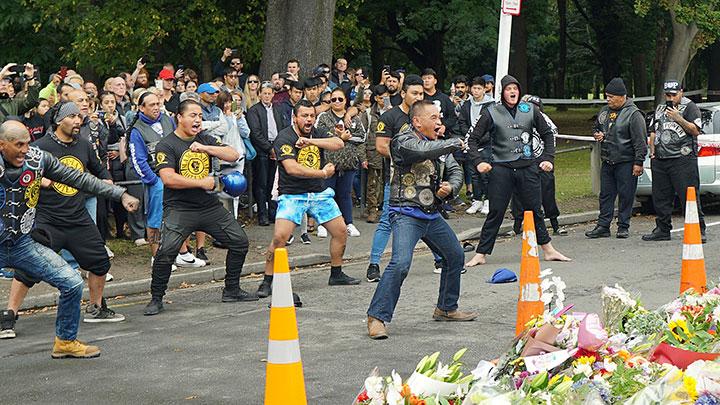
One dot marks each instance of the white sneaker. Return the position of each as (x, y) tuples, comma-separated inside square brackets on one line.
[(172, 269), (352, 231), (109, 277), (187, 259), (109, 252), (141, 242), (485, 208), (474, 207), (321, 232)]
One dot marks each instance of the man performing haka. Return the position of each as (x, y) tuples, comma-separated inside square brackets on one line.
[(301, 185), (22, 169), (183, 161)]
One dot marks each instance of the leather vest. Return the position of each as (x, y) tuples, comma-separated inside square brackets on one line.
[(671, 140), (20, 197), (617, 146), (513, 138), (415, 185), (151, 137)]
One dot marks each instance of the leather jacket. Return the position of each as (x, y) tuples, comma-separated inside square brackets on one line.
[(419, 166)]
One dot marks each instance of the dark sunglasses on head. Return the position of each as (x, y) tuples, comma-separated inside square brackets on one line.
[(337, 99)]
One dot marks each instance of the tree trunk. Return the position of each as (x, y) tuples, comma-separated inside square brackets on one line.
[(680, 51), (713, 65), (562, 57), (639, 72), (604, 20), (519, 55), (661, 45), (297, 30)]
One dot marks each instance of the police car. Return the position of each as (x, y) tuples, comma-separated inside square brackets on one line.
[(708, 159)]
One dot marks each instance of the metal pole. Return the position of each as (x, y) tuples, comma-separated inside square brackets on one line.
[(595, 167), (503, 50)]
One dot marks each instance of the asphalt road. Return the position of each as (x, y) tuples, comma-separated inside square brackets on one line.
[(203, 351)]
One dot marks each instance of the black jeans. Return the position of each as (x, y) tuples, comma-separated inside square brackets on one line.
[(179, 224), (550, 207), (503, 182), (672, 177), (617, 181), (263, 178)]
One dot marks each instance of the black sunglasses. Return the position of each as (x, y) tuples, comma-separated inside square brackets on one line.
[(326, 101), (337, 99), (253, 81)]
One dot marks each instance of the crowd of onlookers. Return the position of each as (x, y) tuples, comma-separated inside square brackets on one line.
[(243, 106)]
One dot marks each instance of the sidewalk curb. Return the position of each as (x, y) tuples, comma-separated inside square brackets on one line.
[(218, 273)]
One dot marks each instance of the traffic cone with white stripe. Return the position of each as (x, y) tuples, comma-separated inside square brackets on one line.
[(284, 380), (529, 303), (693, 259)]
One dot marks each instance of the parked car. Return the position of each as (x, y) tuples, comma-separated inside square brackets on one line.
[(708, 160)]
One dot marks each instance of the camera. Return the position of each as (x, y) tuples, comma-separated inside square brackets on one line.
[(387, 68), (144, 59), (669, 104), (18, 69), (181, 67), (459, 94)]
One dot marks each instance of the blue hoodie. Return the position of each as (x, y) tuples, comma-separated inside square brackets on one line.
[(139, 152)]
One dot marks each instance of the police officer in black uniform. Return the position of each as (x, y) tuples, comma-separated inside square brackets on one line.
[(674, 150), (622, 133), (506, 127)]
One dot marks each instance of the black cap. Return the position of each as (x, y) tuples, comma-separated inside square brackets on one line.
[(616, 87), (672, 86), (311, 82), (428, 72), (535, 100), (295, 84)]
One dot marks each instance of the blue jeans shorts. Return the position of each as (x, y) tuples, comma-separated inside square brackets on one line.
[(320, 206)]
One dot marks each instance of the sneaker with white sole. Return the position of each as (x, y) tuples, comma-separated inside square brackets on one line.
[(485, 207), (172, 269), (305, 238), (6, 274), (7, 324), (109, 277), (474, 207), (101, 314), (352, 231), (290, 240), (141, 242), (321, 232), (438, 269), (109, 252), (187, 259)]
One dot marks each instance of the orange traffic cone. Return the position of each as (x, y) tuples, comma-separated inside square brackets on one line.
[(529, 304), (284, 381), (693, 260)]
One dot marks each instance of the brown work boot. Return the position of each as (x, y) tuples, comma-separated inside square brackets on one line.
[(453, 316), (376, 329), (73, 348), (373, 217)]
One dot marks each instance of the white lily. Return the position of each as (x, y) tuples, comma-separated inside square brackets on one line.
[(443, 372), (545, 273)]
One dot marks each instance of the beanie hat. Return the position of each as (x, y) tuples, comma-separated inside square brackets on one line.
[(66, 110), (616, 87), (508, 80)]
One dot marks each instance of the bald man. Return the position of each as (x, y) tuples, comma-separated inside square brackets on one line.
[(22, 169)]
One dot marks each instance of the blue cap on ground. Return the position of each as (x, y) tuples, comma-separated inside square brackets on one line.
[(207, 88), (502, 276), (234, 183)]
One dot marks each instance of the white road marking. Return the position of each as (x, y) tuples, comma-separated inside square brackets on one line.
[(706, 225)]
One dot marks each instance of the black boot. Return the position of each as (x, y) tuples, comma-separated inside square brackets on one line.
[(598, 232), (656, 235)]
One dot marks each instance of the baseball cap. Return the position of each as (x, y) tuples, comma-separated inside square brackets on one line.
[(488, 78), (672, 86), (207, 88), (502, 276), (166, 74)]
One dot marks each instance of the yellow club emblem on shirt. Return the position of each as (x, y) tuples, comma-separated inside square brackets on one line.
[(74, 163), (161, 158), (194, 165), (286, 150)]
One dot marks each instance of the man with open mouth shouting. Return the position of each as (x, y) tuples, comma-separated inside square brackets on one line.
[(183, 161), (506, 127)]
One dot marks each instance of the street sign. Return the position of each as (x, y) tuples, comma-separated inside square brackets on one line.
[(511, 7)]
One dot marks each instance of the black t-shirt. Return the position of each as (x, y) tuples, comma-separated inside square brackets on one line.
[(396, 99), (36, 126), (173, 152), (309, 156), (447, 109), (173, 103), (391, 123), (61, 204)]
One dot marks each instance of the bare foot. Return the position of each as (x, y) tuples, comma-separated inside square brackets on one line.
[(477, 260), (552, 255)]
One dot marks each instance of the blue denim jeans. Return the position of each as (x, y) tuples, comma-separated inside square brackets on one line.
[(406, 232), (41, 262), (382, 232), (91, 207)]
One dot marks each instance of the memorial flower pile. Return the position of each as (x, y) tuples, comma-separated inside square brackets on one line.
[(627, 354)]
